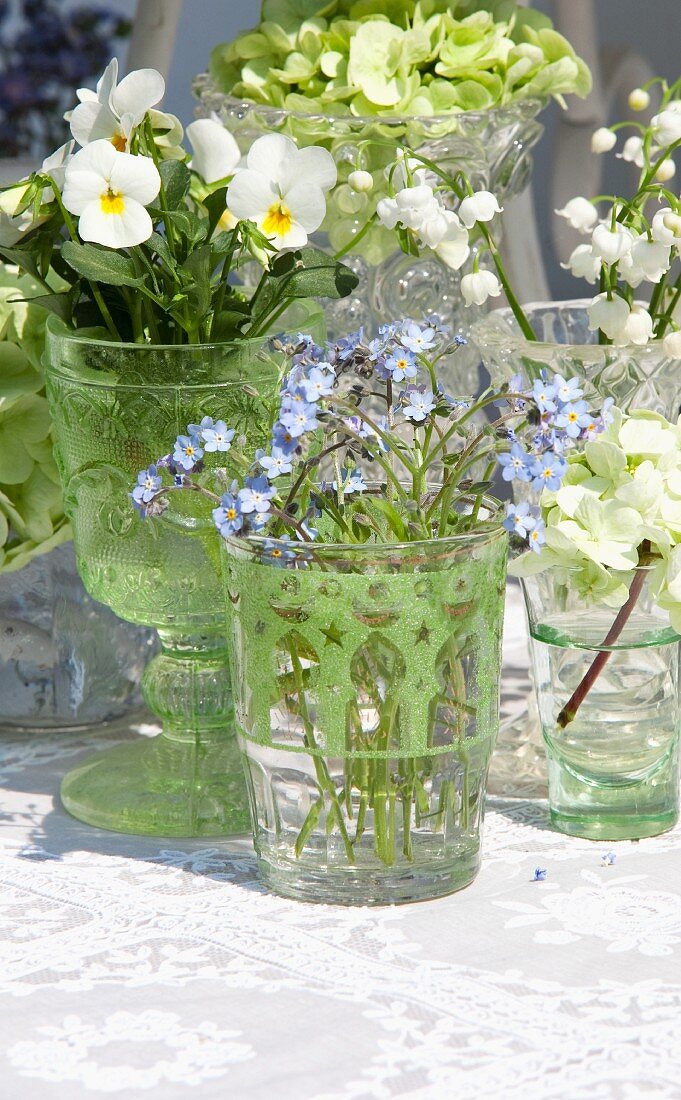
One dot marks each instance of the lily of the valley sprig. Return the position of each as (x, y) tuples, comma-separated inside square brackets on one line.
[(366, 445), (132, 233), (633, 242)]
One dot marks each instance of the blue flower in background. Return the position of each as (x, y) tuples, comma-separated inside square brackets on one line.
[(277, 463), (148, 484), (537, 536), (567, 390), (548, 471), (401, 365), (520, 519), (417, 338), (420, 401), (573, 417), (187, 451), (283, 439), (301, 419), (319, 383), (544, 396), (278, 551), (256, 495), (218, 437), (228, 517), (516, 464), (351, 482)]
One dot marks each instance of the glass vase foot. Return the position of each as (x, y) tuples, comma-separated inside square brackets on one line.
[(423, 880), (161, 787)]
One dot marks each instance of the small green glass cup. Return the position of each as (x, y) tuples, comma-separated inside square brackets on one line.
[(117, 408), (366, 685), (610, 714)]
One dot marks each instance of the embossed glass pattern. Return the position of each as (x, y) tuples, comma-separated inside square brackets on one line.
[(115, 411), (367, 693)]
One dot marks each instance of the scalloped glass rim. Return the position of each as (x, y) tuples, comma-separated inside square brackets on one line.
[(57, 331), (487, 331), (529, 107)]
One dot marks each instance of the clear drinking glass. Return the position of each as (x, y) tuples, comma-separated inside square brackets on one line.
[(609, 709), (367, 704)]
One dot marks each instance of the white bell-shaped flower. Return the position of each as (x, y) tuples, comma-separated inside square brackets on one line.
[(611, 244), (478, 286), (637, 329), (632, 151), (608, 314), (603, 140), (672, 345), (480, 207), (216, 153), (584, 264), (109, 191), (454, 248), (651, 258), (666, 125), (580, 213)]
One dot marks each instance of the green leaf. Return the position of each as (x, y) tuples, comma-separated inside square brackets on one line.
[(62, 304), (215, 204), (227, 325), (101, 265), (176, 178), (158, 244), (192, 227), (384, 508)]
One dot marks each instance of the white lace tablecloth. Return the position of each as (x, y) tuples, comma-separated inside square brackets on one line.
[(137, 967)]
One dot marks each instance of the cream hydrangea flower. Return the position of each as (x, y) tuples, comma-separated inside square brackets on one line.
[(114, 110), (282, 189), (109, 190)]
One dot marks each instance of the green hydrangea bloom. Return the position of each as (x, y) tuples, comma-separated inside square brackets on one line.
[(32, 517)]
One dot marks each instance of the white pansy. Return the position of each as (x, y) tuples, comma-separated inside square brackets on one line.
[(216, 153), (632, 152), (608, 314), (666, 170), (282, 189), (480, 207), (637, 329), (478, 286), (114, 110), (672, 345), (109, 190), (361, 181), (603, 140), (584, 264), (611, 244), (580, 213), (651, 258), (639, 99), (666, 125), (168, 135)]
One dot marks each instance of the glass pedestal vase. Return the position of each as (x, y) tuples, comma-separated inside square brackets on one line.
[(610, 713), (492, 146), (367, 705), (116, 409)]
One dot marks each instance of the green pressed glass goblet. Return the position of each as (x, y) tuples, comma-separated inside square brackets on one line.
[(116, 409)]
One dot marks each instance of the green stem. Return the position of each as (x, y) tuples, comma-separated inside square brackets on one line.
[(354, 241)]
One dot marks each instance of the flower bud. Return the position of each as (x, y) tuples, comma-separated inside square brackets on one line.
[(603, 140), (671, 345), (672, 222), (361, 181), (639, 99), (666, 170)]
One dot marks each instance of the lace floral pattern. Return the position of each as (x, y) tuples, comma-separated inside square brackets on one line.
[(134, 967)]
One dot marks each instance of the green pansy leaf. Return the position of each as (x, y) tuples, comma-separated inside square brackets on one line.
[(62, 305), (176, 179), (101, 265)]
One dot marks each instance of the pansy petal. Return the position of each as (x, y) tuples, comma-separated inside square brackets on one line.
[(98, 156), (269, 152), (250, 195), (136, 177), (311, 165), (92, 122), (131, 227), (137, 92), (295, 237), (82, 188), (107, 81), (307, 205), (216, 153)]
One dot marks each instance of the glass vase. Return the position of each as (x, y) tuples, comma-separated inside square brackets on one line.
[(116, 408), (492, 146), (66, 661), (636, 377), (367, 705), (609, 709)]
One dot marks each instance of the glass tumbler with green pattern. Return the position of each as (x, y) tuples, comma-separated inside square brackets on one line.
[(367, 703), (116, 409)]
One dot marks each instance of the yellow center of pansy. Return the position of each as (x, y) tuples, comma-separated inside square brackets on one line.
[(227, 220), (119, 142), (277, 220), (112, 202)]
